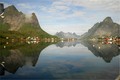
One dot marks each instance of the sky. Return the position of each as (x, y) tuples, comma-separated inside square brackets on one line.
[(68, 15)]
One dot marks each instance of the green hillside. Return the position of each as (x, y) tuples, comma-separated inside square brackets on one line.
[(30, 30), (16, 25)]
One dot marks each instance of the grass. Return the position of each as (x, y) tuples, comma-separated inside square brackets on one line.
[(4, 27), (24, 48), (30, 30), (25, 31)]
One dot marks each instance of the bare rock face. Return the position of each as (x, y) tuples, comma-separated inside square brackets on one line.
[(108, 20), (105, 28), (34, 20), (14, 18), (17, 19)]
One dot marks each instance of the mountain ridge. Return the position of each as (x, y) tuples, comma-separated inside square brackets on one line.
[(67, 35), (106, 28), (20, 23), (17, 19)]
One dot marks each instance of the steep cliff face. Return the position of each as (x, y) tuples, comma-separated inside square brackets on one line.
[(34, 20), (105, 28), (13, 17), (17, 19)]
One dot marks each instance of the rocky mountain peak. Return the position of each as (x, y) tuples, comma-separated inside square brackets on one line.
[(11, 10), (12, 7), (102, 29), (17, 19), (35, 21), (34, 16), (108, 20)]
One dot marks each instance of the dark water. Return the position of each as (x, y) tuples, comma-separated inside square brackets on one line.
[(63, 60)]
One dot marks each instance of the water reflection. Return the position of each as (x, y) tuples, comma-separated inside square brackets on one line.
[(76, 62), (67, 44), (63, 60), (106, 51), (16, 55)]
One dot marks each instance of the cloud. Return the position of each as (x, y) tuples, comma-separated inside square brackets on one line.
[(77, 28), (106, 5), (56, 7), (61, 7), (77, 13), (28, 17), (62, 10), (5, 4), (26, 6), (99, 5)]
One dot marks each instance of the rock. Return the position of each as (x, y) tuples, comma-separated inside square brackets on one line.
[(108, 20)]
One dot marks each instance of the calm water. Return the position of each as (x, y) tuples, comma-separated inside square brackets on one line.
[(63, 60)]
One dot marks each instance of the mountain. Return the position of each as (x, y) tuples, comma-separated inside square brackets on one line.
[(66, 35), (106, 28), (17, 19), (18, 22)]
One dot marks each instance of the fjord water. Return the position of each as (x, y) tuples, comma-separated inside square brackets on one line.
[(63, 60)]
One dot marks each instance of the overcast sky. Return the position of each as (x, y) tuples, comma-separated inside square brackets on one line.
[(68, 15)]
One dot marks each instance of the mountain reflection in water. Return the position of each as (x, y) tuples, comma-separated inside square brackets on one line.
[(106, 51), (64, 60), (17, 55)]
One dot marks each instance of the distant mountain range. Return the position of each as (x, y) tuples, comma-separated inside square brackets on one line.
[(106, 28), (20, 24), (67, 35)]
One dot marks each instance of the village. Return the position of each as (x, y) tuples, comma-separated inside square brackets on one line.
[(110, 40)]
